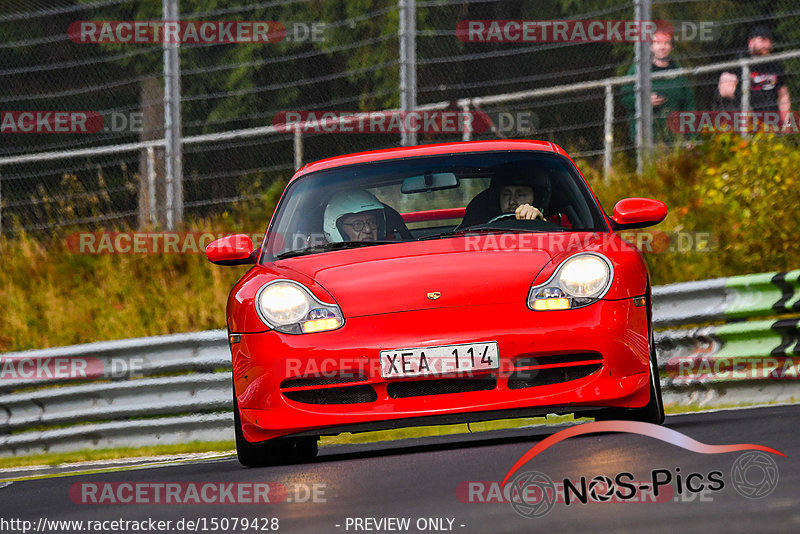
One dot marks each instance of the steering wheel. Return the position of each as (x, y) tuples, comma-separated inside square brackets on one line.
[(501, 217)]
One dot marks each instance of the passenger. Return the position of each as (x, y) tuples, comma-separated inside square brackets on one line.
[(354, 215)]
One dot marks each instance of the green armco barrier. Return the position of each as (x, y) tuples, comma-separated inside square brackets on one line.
[(793, 278), (763, 294), (754, 339), (755, 350), (725, 299)]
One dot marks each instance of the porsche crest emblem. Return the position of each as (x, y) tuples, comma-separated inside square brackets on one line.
[(433, 295)]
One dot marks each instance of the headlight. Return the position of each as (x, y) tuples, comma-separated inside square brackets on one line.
[(584, 276), (283, 303), (579, 281), (291, 308)]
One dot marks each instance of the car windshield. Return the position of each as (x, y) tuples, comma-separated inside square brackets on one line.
[(430, 197)]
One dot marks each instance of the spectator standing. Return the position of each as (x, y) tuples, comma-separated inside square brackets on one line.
[(668, 95), (768, 89)]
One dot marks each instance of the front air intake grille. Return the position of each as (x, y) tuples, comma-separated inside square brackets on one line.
[(421, 388), (345, 395), (529, 378), (558, 358), (322, 381)]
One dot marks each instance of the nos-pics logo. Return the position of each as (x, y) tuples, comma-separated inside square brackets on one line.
[(531, 494)]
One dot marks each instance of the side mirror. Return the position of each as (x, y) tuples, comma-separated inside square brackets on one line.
[(232, 250), (630, 213)]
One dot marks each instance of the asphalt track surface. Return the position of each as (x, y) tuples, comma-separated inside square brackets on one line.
[(420, 479)]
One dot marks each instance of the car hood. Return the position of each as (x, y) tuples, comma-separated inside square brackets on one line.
[(469, 270)]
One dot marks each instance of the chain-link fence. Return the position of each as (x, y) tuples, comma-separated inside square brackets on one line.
[(339, 56), (42, 70), (556, 86)]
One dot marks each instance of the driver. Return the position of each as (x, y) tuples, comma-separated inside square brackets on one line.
[(354, 215), (517, 198), (514, 192), (522, 194)]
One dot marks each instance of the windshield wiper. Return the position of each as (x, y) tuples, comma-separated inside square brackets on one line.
[(328, 247), (489, 229)]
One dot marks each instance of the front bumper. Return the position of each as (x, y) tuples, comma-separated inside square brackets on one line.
[(327, 382)]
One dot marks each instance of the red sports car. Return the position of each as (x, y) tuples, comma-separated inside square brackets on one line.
[(437, 284)]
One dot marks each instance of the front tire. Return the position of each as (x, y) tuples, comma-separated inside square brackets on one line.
[(653, 411), (273, 452)]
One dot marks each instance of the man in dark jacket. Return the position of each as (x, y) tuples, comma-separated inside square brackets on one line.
[(768, 90), (667, 95)]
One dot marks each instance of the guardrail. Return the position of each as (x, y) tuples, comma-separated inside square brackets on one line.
[(177, 388), (122, 402), (737, 297), (736, 362)]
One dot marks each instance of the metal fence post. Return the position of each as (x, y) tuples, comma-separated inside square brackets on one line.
[(644, 107), (608, 132), (466, 123), (151, 184), (745, 94), (173, 161), (745, 88), (408, 63), (298, 149)]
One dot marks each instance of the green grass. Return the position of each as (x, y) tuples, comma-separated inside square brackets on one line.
[(90, 455), (62, 298), (694, 408)]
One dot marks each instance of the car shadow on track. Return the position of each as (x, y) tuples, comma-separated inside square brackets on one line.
[(532, 434)]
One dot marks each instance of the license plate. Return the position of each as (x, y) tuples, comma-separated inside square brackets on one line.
[(446, 359)]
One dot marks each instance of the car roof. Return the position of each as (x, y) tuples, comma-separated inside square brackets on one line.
[(429, 150)]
